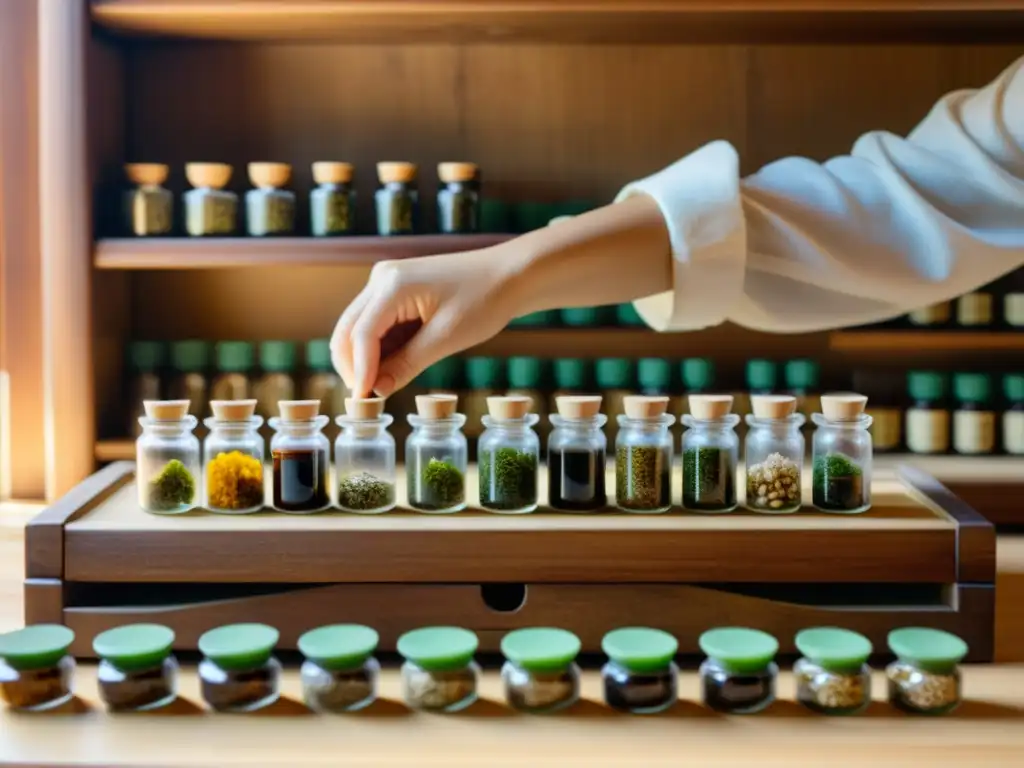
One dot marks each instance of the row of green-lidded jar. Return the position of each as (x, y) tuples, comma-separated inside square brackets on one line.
[(240, 673)]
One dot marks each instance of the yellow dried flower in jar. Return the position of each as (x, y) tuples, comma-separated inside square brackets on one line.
[(234, 481)]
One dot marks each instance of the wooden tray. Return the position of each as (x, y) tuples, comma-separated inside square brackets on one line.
[(920, 556)]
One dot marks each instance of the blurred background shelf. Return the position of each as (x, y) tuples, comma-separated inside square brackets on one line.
[(922, 341)]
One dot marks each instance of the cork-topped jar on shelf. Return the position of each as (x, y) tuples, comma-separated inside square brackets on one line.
[(167, 458), (269, 207), (842, 455), (774, 455), (364, 456), (332, 203), (458, 198), (710, 448), (435, 455), (397, 200), (301, 455), (233, 457), (210, 210), (149, 207), (577, 450), (643, 455), (508, 456)]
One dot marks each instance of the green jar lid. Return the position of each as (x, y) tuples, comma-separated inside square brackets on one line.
[(926, 385), (524, 372), (318, 355), (446, 373), (835, 649), (438, 648), (570, 373), (761, 375), (145, 356), (541, 649), (580, 316), (483, 372), (339, 646), (640, 649), (190, 355), (653, 373), (277, 356), (543, 319), (134, 646), (972, 387), (530, 215), (627, 315), (698, 373), (739, 649), (1013, 386), (36, 647), (234, 356), (802, 374), (239, 646), (574, 207), (930, 649), (614, 373), (495, 216)]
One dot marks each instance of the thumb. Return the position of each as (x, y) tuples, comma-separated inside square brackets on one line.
[(428, 346)]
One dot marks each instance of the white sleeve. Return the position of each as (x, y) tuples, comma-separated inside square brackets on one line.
[(898, 224)]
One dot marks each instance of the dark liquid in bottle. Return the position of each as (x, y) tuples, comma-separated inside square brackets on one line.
[(576, 480), (300, 480)]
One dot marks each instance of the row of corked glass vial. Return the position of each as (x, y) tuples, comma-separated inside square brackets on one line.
[(240, 673), (169, 457)]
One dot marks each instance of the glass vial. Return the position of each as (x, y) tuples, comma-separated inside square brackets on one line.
[(925, 678), (643, 456), (190, 360), (710, 450), (458, 200), (932, 316), (396, 199), (167, 458), (364, 456), (1013, 418), (439, 673), (149, 208), (540, 673), (435, 455), (332, 204), (577, 455), (833, 677), (974, 420), (36, 671), (509, 453), (974, 310), (137, 671), (238, 672), (774, 455), (640, 676), (269, 208), (739, 674), (340, 673), (233, 456), (145, 359), (927, 422), (210, 210), (841, 455), (301, 454), (234, 365)]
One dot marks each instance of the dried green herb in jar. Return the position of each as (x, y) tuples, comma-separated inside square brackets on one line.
[(209, 208), (173, 487), (642, 479), (148, 206), (508, 478), (270, 210), (442, 485), (332, 203), (364, 491), (837, 483), (708, 481)]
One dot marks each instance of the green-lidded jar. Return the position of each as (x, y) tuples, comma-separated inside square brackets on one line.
[(574, 207), (833, 676), (540, 673), (445, 375), (628, 317), (458, 199), (238, 672), (974, 419), (738, 677), (570, 374), (210, 210), (698, 377), (36, 670), (439, 672), (322, 382), (528, 376), (149, 208), (145, 361), (615, 378), (925, 678), (484, 377), (190, 362), (397, 200), (495, 216), (762, 377), (340, 673), (927, 422), (137, 671), (277, 380), (585, 317), (546, 318), (654, 375), (533, 215), (332, 203), (803, 380), (234, 362), (1013, 417), (641, 676), (270, 208)]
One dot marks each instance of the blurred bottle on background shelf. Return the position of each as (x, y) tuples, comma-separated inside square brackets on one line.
[(1013, 300), (803, 380), (483, 380), (627, 316), (145, 361), (927, 421), (571, 376), (616, 380), (526, 377), (277, 378), (698, 377), (974, 420), (1013, 417), (933, 316), (234, 362), (974, 310), (323, 383), (884, 390), (190, 365)]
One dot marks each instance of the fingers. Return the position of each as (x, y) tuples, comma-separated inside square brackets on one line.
[(341, 339), (430, 344), (375, 320)]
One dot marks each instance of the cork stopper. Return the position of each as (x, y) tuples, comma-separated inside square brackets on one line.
[(364, 408), (643, 407), (166, 410), (269, 175), (151, 174), (330, 172), (710, 406), (578, 406), (436, 406), (212, 175), (773, 406), (843, 406), (509, 407), (402, 172), (299, 410), (233, 410), (451, 172)]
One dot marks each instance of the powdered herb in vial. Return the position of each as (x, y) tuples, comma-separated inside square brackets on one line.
[(363, 491), (642, 477)]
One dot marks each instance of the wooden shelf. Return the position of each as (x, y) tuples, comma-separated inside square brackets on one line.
[(230, 252), (122, 449), (560, 20), (925, 341)]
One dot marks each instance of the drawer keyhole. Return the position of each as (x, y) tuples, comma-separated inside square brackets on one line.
[(504, 598)]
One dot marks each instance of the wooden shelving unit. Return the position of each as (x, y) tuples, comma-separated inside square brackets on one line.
[(921, 341)]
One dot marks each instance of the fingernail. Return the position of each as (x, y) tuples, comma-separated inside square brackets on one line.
[(385, 385)]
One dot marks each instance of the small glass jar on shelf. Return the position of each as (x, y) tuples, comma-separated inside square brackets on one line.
[(210, 210), (435, 456), (233, 457), (577, 455), (739, 674), (340, 673), (238, 672), (974, 419), (640, 676), (149, 208), (974, 310), (842, 455), (927, 419), (710, 453), (397, 199), (540, 673), (833, 677), (439, 673), (508, 455), (925, 678), (137, 671), (332, 204), (269, 208), (36, 670), (364, 456), (301, 455), (933, 316), (458, 201), (774, 455), (167, 458), (643, 456), (1013, 417)]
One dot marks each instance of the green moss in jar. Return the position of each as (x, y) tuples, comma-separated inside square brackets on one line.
[(172, 487), (837, 483), (443, 484), (708, 481), (332, 203), (508, 478)]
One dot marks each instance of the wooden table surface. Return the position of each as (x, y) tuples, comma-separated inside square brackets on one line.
[(987, 731)]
